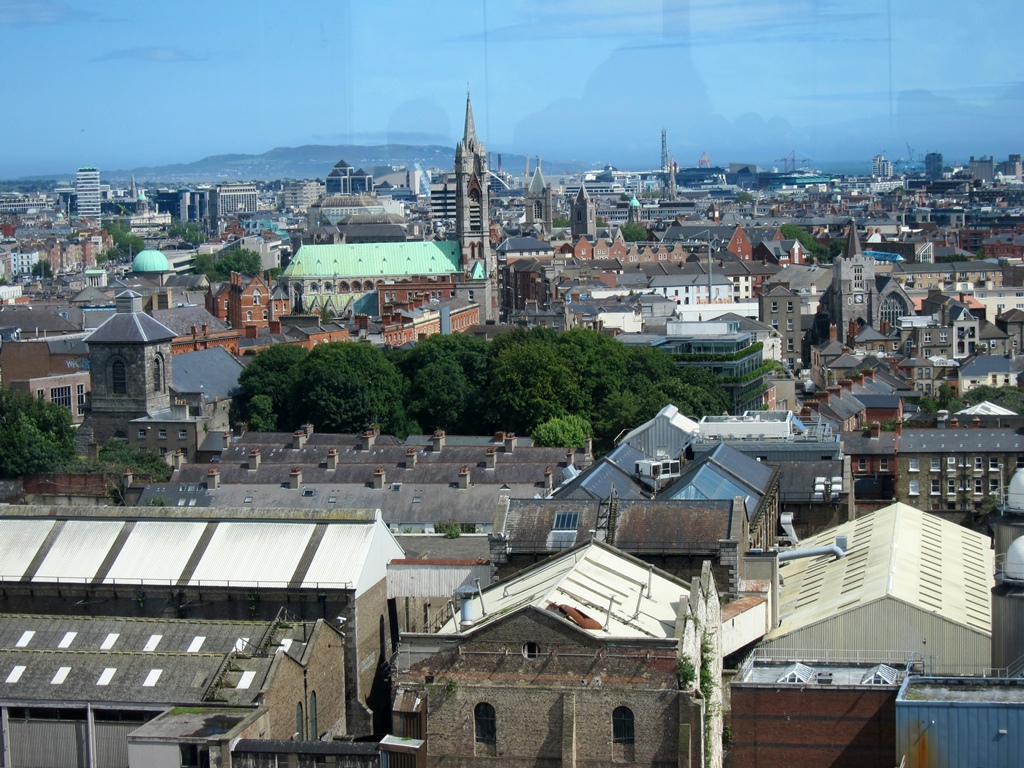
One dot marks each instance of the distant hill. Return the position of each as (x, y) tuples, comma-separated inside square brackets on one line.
[(313, 161)]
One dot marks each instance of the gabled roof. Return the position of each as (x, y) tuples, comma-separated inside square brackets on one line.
[(667, 434), (537, 186), (986, 409), (130, 328), (896, 552), (643, 601), (341, 260), (723, 474)]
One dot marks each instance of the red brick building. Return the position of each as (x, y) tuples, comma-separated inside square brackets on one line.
[(246, 301)]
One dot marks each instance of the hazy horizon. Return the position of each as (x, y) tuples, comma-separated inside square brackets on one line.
[(587, 81)]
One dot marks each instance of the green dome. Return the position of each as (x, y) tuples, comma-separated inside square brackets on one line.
[(634, 203), (150, 260)]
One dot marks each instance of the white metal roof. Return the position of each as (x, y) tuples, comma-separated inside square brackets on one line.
[(156, 551), (898, 552), (245, 554), (79, 550), (590, 579), (19, 542)]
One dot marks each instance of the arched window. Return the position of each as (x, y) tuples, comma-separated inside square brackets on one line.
[(313, 733), (257, 297), (264, 314), (486, 725), (622, 734), (118, 378), (248, 315), (622, 725), (300, 731), (158, 375)]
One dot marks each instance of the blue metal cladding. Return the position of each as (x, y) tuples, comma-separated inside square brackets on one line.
[(960, 734)]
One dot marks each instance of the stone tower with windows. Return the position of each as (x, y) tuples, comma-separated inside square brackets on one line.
[(130, 364), (538, 204), (472, 218), (583, 215)]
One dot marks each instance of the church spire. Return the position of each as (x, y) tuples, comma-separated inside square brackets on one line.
[(853, 242), (469, 134)]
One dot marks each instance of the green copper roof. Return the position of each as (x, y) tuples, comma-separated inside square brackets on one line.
[(150, 260), (479, 271), (634, 203), (374, 259)]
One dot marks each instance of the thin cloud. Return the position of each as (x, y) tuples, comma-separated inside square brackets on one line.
[(38, 13), (146, 54)]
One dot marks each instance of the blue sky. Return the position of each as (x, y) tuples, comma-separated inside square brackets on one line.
[(124, 84)]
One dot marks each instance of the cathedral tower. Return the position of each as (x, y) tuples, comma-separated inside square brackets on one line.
[(538, 203), (583, 215), (472, 219)]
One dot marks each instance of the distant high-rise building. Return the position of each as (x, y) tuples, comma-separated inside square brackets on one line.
[(983, 169), (933, 166), (346, 180), (87, 192), (1011, 168), (302, 194), (231, 200), (880, 167)]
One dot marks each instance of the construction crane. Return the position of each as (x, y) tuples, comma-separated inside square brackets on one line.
[(789, 162), (705, 161)]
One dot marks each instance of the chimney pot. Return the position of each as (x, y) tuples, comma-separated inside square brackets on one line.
[(492, 457), (295, 478), (378, 478), (332, 458), (510, 442), (179, 458), (213, 479), (437, 441), (298, 439), (254, 458), (367, 439), (876, 429), (464, 477), (411, 456)]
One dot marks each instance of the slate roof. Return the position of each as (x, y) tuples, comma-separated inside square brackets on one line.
[(31, 320), (983, 365), (213, 371), (130, 328), (961, 440), (181, 320)]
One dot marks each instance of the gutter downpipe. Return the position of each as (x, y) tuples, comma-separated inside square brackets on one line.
[(795, 554)]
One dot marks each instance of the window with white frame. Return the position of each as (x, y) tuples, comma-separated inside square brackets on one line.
[(914, 487), (915, 464), (935, 464)]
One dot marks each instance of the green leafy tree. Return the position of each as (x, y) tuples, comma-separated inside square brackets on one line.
[(563, 432), (744, 197), (812, 246), (261, 414), (531, 384), (273, 374), (116, 455), (560, 222), (42, 269), (632, 233), (1007, 397), (242, 260), (191, 232), (125, 243), (348, 387), (35, 436)]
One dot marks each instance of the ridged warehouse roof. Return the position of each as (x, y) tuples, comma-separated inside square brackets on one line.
[(896, 552), (376, 259)]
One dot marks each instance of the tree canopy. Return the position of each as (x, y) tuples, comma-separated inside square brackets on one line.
[(126, 244), (534, 382), (42, 268), (35, 436), (632, 233), (241, 260)]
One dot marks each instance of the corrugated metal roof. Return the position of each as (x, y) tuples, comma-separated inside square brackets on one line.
[(898, 552), (590, 579), (246, 554), (155, 551), (340, 557), (78, 550), (19, 542)]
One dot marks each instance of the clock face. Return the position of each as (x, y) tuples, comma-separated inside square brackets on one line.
[(859, 298)]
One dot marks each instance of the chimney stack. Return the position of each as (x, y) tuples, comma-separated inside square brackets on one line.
[(213, 479), (846, 384), (876, 430), (976, 421), (254, 458), (510, 442), (366, 440), (179, 459), (295, 478), (411, 454), (332, 458), (378, 478), (492, 457), (588, 447), (437, 441), (954, 423), (464, 477), (833, 332), (548, 482), (298, 439), (127, 477), (308, 429)]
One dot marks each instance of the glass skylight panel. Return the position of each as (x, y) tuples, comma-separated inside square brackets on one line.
[(151, 678), (15, 674), (152, 643), (109, 640), (106, 676), (61, 676), (246, 680), (240, 644), (285, 644), (26, 638), (69, 637), (566, 521), (196, 644)]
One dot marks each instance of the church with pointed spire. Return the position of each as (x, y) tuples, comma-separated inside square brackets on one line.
[(538, 205), (472, 215)]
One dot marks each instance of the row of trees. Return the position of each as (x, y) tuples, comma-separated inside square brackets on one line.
[(557, 387)]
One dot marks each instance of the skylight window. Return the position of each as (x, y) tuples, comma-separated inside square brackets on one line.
[(26, 638), (106, 676), (151, 678), (65, 642), (109, 640), (61, 676), (240, 644), (566, 521), (152, 643), (246, 680), (196, 644), (15, 674), (285, 644), (796, 673)]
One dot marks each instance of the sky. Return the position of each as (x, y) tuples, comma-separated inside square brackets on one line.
[(119, 84)]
